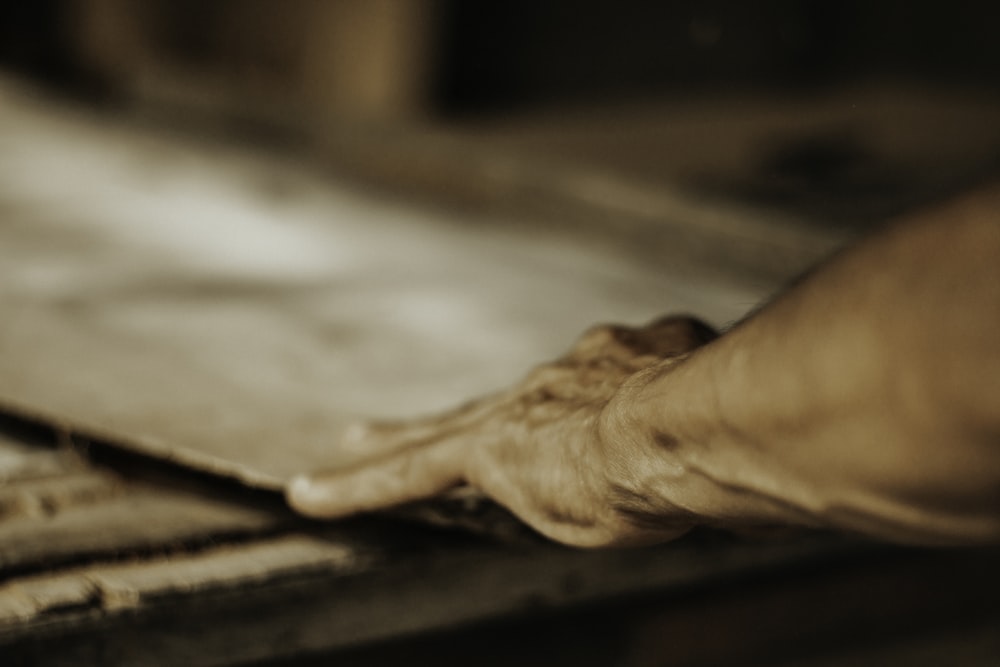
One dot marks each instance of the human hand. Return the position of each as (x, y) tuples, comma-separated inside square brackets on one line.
[(539, 449)]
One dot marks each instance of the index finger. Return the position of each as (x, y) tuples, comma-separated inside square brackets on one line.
[(400, 477)]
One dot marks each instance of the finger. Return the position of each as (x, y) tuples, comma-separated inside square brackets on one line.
[(366, 439), (676, 334), (405, 476), (604, 340)]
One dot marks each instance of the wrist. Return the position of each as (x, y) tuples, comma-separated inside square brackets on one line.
[(672, 451), (645, 473)]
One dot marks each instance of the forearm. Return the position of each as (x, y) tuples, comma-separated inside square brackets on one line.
[(867, 398)]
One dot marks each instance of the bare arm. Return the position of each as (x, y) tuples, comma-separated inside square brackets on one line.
[(867, 398)]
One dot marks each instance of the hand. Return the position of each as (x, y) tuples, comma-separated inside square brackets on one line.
[(539, 449)]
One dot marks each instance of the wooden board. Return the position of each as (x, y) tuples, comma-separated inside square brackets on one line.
[(232, 311)]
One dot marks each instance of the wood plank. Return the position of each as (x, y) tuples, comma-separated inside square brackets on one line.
[(115, 587), (137, 522), (20, 461), (56, 508), (42, 498), (67, 509), (159, 295)]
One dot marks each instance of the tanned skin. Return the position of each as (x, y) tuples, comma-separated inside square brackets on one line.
[(864, 399)]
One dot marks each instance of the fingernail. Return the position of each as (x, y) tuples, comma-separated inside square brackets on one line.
[(300, 490)]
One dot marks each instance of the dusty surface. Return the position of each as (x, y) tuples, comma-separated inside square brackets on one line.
[(234, 311)]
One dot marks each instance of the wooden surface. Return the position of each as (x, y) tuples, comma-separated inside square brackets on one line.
[(233, 312)]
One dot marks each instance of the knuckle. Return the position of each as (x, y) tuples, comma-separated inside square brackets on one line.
[(604, 337), (677, 334), (598, 335), (546, 374), (684, 327)]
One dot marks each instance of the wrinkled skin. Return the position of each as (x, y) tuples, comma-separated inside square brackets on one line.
[(540, 449)]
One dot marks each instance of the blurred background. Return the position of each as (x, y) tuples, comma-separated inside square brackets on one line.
[(842, 113), (398, 60)]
